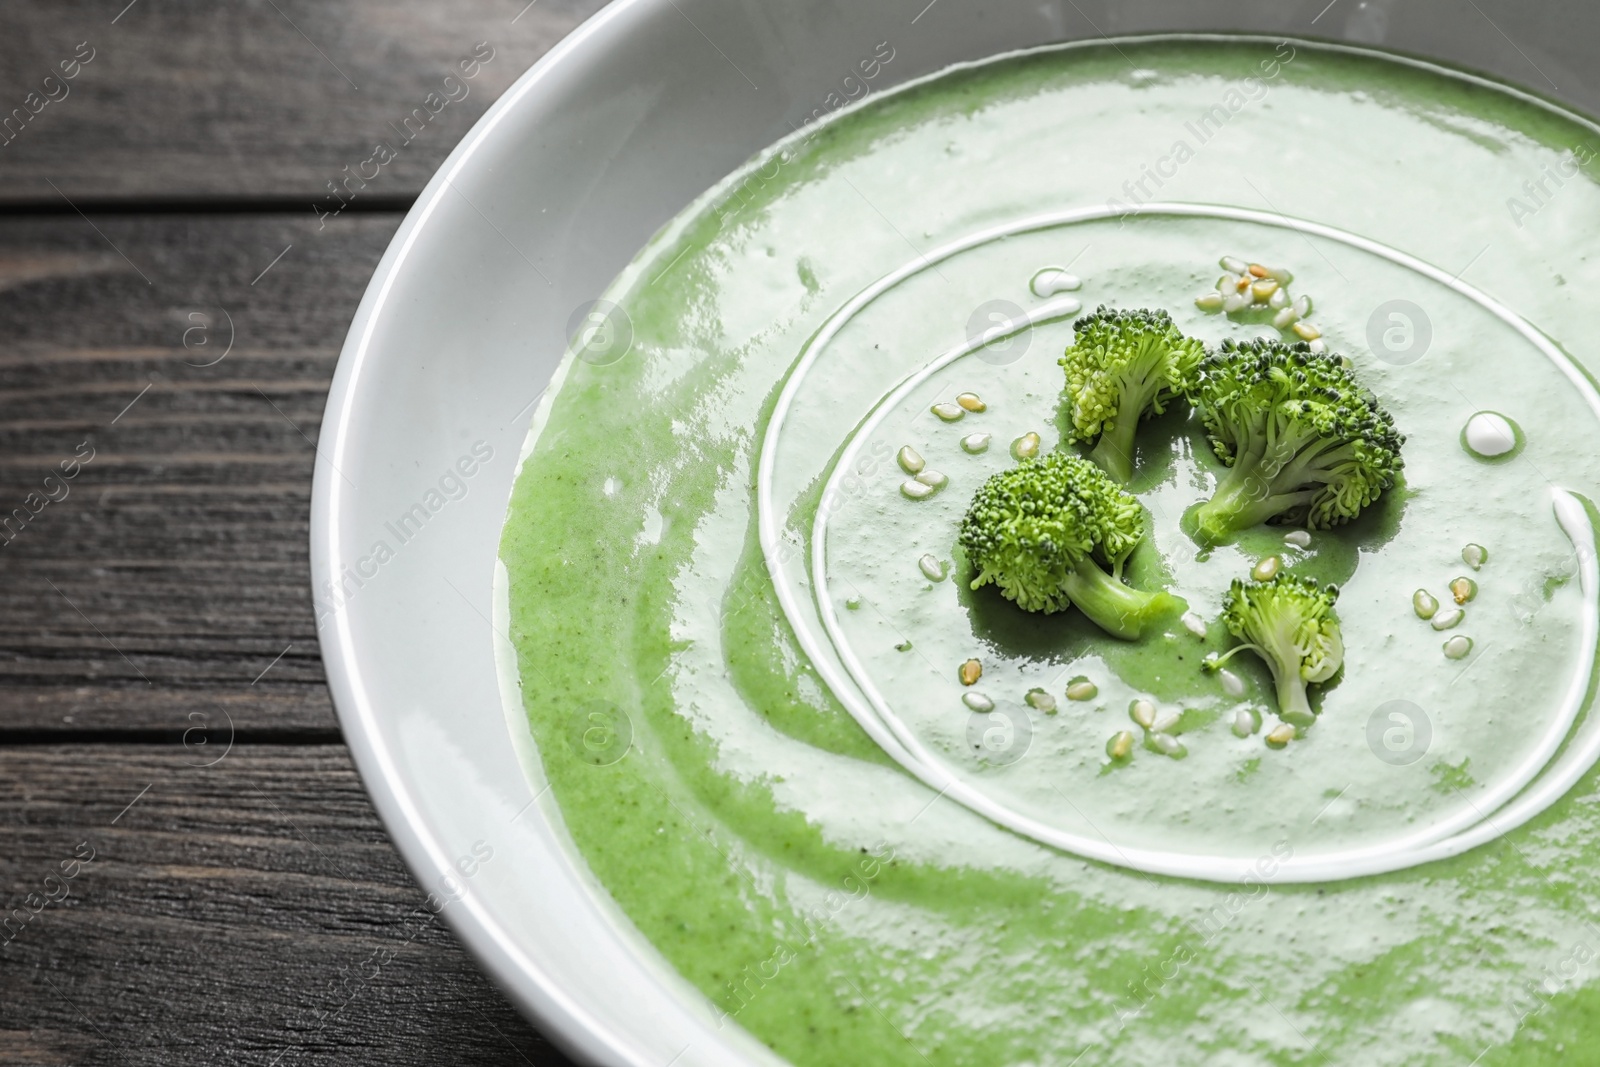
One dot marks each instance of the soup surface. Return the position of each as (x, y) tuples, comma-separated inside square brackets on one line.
[(706, 699)]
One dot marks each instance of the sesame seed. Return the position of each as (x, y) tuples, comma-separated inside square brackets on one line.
[(1168, 745), (1026, 446), (974, 443), (977, 702), (1120, 747), (1082, 689)]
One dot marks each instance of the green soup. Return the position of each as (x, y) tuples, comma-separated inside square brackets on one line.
[(697, 697)]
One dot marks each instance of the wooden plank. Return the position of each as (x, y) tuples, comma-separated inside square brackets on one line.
[(188, 98), (252, 911), (172, 569)]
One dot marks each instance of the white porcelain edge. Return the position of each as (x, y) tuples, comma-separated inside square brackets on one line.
[(520, 977)]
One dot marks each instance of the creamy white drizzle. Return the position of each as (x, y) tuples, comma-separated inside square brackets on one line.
[(1053, 280), (1489, 434)]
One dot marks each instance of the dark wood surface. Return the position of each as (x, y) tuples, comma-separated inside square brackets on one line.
[(250, 99), (252, 911), (157, 605), (174, 570)]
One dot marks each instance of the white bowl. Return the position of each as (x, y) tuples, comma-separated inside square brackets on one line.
[(551, 194)]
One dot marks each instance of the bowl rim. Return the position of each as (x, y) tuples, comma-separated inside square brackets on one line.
[(563, 1019)]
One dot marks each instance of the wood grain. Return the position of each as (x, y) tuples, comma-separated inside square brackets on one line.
[(170, 345), (252, 911), (172, 569), (266, 98)]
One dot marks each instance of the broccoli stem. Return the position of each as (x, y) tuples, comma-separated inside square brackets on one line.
[(1114, 451), (1244, 498), (1119, 610), (1283, 655), (1293, 706)]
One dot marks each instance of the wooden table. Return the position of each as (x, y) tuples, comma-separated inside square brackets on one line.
[(191, 870)]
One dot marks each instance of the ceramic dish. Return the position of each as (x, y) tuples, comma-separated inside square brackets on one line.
[(555, 190)]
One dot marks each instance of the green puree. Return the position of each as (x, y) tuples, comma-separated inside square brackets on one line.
[(823, 898)]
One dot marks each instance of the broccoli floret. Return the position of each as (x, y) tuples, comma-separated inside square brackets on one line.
[(1123, 366), (1289, 623), (1054, 532), (1304, 442)]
